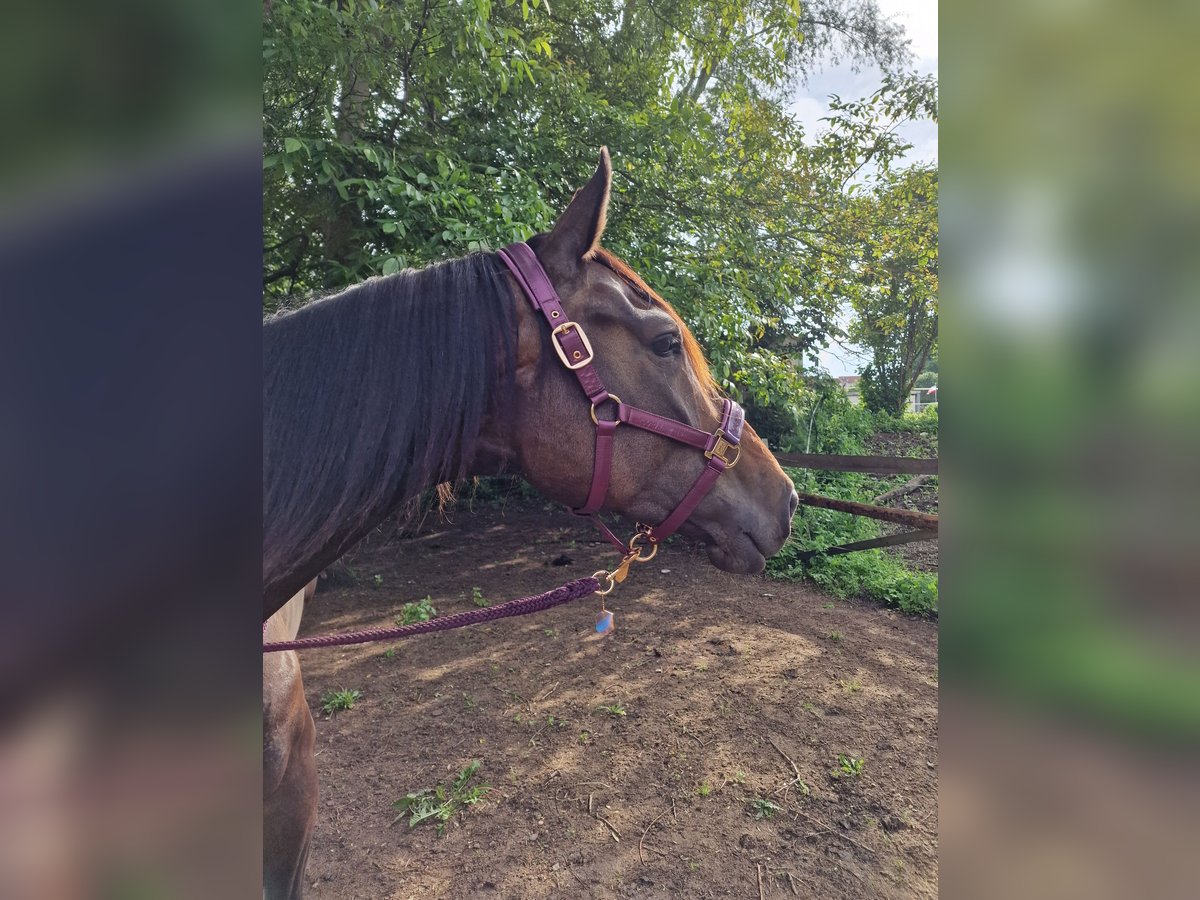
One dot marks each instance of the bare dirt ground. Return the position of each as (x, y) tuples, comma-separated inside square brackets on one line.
[(733, 689)]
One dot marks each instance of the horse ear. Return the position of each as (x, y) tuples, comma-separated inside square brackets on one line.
[(577, 232)]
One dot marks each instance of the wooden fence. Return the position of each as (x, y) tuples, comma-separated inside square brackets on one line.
[(924, 524)]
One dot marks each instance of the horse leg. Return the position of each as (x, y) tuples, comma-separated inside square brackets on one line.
[(289, 789), (289, 768)]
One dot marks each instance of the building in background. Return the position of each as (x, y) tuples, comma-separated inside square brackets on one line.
[(918, 398)]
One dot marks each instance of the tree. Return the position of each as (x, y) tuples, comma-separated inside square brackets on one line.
[(401, 133), (896, 304)]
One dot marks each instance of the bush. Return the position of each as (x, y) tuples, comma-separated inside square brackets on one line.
[(866, 573), (924, 421), (837, 426)]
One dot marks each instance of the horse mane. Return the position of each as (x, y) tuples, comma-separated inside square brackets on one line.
[(691, 347), (371, 396)]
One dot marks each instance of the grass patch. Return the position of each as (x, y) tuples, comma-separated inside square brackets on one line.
[(866, 573)]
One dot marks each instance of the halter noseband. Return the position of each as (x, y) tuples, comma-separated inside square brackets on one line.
[(721, 448)]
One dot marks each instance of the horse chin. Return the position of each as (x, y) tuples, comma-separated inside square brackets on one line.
[(745, 560), (738, 555)]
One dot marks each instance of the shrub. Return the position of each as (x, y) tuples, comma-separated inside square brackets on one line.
[(837, 426)]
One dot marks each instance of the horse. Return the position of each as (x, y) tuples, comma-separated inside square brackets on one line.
[(289, 769), (373, 395)]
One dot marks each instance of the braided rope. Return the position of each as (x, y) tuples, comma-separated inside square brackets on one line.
[(571, 591)]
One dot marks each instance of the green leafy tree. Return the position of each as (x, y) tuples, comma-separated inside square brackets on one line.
[(401, 133), (896, 301)]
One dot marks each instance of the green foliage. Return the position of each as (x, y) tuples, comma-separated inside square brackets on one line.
[(895, 300), (924, 422), (762, 808), (616, 710), (420, 611), (478, 599), (440, 804), (849, 766), (401, 133), (339, 701), (870, 573), (840, 427)]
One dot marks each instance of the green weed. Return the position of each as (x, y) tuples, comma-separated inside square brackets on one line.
[(339, 701), (849, 766), (614, 709), (420, 611), (478, 599), (440, 804), (762, 808)]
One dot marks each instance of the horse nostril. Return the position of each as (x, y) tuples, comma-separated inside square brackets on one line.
[(793, 502)]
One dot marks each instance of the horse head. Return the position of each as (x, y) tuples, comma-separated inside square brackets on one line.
[(645, 356)]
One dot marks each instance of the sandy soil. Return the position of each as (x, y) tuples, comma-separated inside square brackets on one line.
[(733, 689)]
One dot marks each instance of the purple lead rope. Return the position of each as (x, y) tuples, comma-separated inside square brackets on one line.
[(571, 591)]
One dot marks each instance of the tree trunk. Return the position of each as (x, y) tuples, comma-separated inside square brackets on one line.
[(338, 227)]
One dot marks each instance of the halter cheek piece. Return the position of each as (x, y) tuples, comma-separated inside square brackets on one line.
[(575, 352)]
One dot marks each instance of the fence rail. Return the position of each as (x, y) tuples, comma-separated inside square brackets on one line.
[(925, 524), (890, 540), (878, 465), (910, 517)]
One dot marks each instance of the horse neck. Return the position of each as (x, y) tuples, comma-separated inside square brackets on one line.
[(370, 398)]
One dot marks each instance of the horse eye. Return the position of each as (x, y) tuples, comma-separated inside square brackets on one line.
[(667, 345)]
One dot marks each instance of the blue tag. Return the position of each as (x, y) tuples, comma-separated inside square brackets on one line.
[(605, 623)]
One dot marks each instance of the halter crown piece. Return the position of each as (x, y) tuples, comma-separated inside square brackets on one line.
[(721, 447)]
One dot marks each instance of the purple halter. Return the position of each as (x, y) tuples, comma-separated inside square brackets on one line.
[(575, 352)]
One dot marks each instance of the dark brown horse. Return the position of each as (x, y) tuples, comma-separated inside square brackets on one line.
[(403, 382)]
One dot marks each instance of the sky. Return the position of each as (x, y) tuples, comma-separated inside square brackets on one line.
[(811, 103)]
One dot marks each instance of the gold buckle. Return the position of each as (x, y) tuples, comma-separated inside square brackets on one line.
[(722, 447), (562, 354)]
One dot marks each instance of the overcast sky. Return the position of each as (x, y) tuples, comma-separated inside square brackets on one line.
[(811, 103)]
